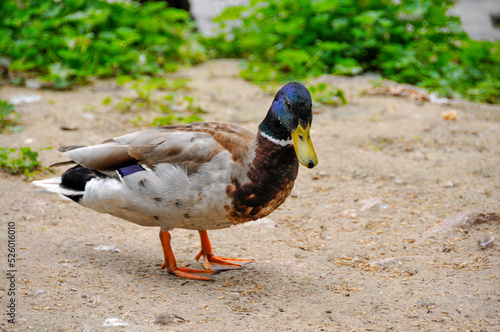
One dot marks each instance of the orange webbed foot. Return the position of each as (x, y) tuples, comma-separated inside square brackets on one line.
[(171, 265), (188, 273), (212, 262)]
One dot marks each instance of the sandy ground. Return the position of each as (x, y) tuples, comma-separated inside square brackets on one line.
[(353, 249)]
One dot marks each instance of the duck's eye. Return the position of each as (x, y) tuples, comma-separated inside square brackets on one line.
[(278, 125), (288, 104)]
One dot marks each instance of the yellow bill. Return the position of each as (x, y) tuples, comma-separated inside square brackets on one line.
[(304, 147)]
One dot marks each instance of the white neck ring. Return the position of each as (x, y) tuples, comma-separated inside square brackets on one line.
[(280, 142)]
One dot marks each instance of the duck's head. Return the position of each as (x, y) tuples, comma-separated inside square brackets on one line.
[(289, 120)]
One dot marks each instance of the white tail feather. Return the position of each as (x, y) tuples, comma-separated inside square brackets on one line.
[(53, 185)]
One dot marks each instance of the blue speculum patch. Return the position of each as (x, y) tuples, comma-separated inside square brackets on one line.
[(128, 170)]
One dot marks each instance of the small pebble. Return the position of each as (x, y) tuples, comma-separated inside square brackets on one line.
[(370, 203), (318, 175), (389, 261), (38, 292), (324, 236), (449, 184), (107, 248), (110, 322), (68, 128), (450, 115), (89, 116), (424, 304)]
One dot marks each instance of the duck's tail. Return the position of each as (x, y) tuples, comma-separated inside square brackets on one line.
[(54, 185)]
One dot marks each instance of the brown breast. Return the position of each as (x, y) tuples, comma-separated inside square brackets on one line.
[(271, 178)]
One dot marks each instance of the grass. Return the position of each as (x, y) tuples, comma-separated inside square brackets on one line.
[(9, 117), (23, 161)]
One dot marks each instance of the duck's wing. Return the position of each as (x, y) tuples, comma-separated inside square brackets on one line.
[(189, 146)]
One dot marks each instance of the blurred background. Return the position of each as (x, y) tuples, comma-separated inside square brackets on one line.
[(475, 15), (449, 49)]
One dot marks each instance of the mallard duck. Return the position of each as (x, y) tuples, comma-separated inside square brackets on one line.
[(201, 176)]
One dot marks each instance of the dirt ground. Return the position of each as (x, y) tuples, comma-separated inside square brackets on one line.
[(352, 249)]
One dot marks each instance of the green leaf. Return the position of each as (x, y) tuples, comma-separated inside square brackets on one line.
[(230, 13), (347, 66), (106, 101)]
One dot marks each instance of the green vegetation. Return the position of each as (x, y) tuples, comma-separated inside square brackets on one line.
[(410, 41), (174, 118), (65, 42), (178, 109), (144, 87), (327, 94), (22, 161), (8, 117), (176, 105)]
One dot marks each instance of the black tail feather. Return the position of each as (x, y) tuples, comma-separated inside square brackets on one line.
[(77, 177)]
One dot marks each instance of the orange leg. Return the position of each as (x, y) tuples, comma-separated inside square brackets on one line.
[(171, 264), (211, 262)]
